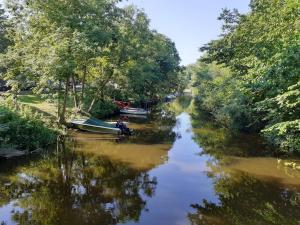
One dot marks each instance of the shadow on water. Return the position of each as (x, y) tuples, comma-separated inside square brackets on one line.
[(251, 188), (178, 168), (88, 178), (221, 142), (69, 187), (246, 200)]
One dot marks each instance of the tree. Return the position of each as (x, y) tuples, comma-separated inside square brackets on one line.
[(52, 39), (261, 49), (94, 45), (4, 42)]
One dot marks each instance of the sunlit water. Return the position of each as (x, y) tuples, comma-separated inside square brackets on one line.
[(175, 170)]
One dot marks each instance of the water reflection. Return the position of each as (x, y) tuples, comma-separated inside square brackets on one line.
[(75, 188), (250, 189), (220, 142), (145, 150), (245, 199), (178, 168)]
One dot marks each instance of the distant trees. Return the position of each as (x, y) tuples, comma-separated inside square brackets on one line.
[(3, 27), (3, 40), (259, 89), (88, 50)]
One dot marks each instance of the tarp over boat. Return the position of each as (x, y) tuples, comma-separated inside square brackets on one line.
[(95, 125)]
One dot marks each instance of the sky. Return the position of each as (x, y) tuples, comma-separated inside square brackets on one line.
[(189, 23)]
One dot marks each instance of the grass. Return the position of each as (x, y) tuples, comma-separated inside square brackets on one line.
[(40, 104), (43, 106), (49, 109)]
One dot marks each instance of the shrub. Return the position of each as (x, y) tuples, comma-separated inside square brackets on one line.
[(103, 109), (24, 129)]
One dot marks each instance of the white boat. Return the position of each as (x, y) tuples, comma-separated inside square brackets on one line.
[(96, 126), (135, 111), (115, 123), (171, 96), (134, 116)]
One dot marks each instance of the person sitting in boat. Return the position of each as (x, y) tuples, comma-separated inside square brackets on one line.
[(122, 126)]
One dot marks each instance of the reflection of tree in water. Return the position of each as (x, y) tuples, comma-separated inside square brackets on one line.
[(149, 136), (163, 121), (218, 141), (74, 188), (181, 104), (245, 200), (159, 131)]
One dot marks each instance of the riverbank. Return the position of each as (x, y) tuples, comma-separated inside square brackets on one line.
[(23, 130)]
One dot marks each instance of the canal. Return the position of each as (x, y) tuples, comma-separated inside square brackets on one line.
[(177, 169)]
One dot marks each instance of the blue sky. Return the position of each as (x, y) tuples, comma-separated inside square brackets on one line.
[(189, 23)]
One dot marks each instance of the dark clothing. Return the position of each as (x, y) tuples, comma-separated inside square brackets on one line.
[(122, 126)]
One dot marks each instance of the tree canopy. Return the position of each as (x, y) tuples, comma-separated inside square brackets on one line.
[(260, 90), (91, 50)]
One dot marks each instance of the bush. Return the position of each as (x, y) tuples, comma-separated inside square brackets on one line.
[(286, 135), (103, 109), (24, 129)]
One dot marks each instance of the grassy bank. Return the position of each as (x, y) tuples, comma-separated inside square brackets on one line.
[(24, 129), (38, 103), (101, 109)]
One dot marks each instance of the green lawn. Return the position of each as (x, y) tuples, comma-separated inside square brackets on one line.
[(39, 104)]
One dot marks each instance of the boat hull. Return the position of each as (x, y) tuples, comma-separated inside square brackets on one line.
[(134, 111), (97, 129), (134, 116)]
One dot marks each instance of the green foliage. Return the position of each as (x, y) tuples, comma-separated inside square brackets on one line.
[(4, 42), (24, 129), (95, 44), (155, 72), (286, 135), (261, 92), (218, 95), (103, 109)]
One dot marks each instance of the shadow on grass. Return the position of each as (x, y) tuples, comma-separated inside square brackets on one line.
[(31, 99), (44, 113)]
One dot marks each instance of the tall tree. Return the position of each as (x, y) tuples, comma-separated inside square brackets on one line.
[(104, 49), (262, 51)]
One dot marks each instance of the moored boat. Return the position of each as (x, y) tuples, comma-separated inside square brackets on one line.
[(96, 126), (135, 111), (134, 116), (122, 104)]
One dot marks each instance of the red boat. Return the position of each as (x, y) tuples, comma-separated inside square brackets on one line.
[(122, 104)]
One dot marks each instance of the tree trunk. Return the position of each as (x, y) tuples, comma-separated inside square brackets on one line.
[(82, 88), (76, 105), (100, 91), (92, 104), (15, 101), (102, 95), (58, 99), (62, 119)]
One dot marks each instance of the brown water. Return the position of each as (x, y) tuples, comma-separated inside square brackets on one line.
[(176, 169)]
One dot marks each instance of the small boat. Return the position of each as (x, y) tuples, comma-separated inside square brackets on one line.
[(96, 126), (115, 123), (171, 96), (135, 111), (122, 104), (134, 116)]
